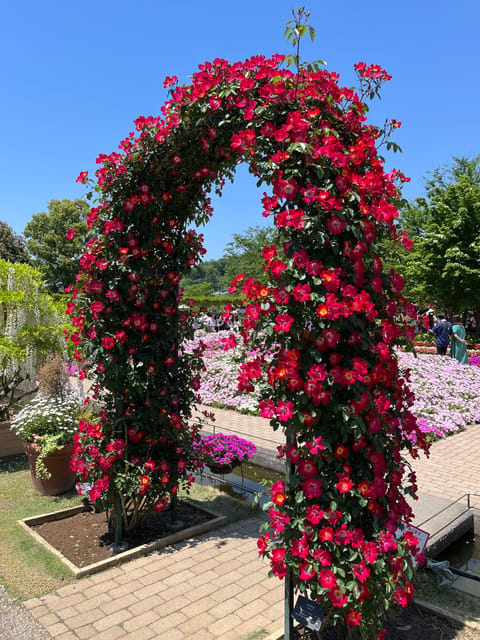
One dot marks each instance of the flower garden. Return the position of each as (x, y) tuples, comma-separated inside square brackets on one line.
[(322, 331), (428, 346), (447, 394)]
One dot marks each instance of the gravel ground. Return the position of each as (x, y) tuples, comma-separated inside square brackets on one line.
[(16, 623)]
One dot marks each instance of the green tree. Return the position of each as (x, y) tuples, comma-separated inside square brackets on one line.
[(12, 245), (443, 266), (46, 235), (210, 275), (30, 329), (244, 253)]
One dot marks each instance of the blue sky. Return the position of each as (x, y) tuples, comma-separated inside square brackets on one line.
[(76, 75)]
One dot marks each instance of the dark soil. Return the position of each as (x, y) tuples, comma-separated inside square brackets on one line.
[(84, 537), (413, 623)]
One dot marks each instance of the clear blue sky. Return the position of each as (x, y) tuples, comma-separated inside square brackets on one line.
[(74, 76)]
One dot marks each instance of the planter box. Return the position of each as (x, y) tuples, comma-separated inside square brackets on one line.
[(119, 558), (10, 443)]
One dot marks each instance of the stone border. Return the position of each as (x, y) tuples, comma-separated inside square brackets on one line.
[(446, 613), (119, 558)]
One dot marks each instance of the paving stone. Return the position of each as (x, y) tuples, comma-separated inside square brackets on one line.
[(145, 633), (113, 633), (119, 603), (92, 603), (112, 620), (168, 623), (86, 617), (253, 593), (68, 635), (148, 604), (88, 631), (224, 608), (197, 608), (178, 578), (191, 627), (57, 629), (146, 619), (224, 625), (48, 619)]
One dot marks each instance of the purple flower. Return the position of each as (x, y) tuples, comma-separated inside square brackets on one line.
[(224, 449)]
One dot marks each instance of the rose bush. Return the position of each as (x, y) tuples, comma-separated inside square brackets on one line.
[(323, 324)]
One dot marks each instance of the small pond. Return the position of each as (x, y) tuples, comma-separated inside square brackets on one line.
[(245, 480), (464, 555)]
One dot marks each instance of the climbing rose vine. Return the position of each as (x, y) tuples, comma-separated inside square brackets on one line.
[(323, 323)]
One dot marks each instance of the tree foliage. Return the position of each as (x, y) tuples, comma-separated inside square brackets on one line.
[(244, 254), (46, 235), (30, 329), (205, 279), (12, 245), (443, 266)]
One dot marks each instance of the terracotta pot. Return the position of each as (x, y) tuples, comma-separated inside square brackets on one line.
[(58, 464), (10, 443)]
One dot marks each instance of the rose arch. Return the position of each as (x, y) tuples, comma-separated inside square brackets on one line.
[(324, 323)]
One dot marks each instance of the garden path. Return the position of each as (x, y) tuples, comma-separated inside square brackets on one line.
[(215, 586)]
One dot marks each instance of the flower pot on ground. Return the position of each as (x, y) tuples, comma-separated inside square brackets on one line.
[(56, 476), (221, 453), (47, 424)]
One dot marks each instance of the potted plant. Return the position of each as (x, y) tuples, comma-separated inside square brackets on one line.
[(47, 424), (222, 453)]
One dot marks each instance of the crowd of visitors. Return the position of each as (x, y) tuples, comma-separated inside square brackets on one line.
[(448, 332), (212, 322)]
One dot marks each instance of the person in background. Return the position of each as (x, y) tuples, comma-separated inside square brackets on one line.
[(442, 330), (211, 322), (458, 348), (431, 317), (471, 323)]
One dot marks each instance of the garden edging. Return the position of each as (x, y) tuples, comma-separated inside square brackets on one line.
[(119, 558)]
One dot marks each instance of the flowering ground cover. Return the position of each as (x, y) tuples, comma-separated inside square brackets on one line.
[(219, 385), (447, 394)]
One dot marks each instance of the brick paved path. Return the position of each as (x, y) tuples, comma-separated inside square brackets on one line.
[(453, 467), (211, 587), (215, 586)]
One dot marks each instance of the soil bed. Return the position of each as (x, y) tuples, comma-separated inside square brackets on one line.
[(413, 623), (84, 538)]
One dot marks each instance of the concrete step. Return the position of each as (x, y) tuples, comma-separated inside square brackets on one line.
[(444, 520)]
